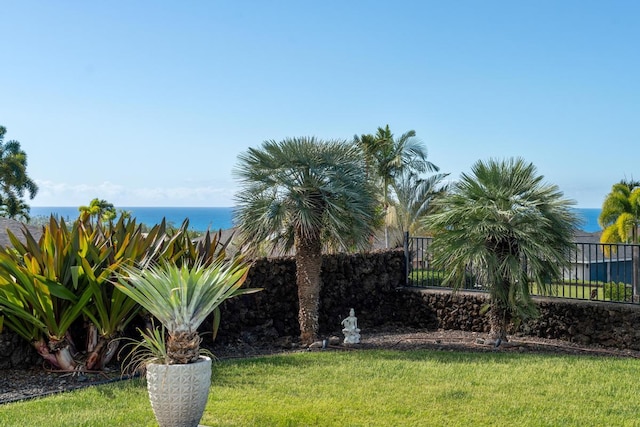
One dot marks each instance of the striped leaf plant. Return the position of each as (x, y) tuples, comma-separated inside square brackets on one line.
[(181, 297)]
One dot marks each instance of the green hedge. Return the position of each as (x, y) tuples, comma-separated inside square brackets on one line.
[(618, 292)]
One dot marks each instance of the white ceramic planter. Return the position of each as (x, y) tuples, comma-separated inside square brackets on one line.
[(178, 393)]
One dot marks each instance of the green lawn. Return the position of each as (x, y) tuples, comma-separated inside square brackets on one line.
[(376, 388)]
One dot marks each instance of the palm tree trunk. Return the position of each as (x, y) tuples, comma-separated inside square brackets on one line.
[(386, 236), (386, 214), (308, 266), (635, 261), (498, 321)]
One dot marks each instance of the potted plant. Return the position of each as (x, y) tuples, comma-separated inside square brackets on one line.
[(180, 297)]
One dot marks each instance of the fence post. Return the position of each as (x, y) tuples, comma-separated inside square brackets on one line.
[(406, 258)]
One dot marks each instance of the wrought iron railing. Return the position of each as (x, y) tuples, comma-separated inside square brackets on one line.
[(596, 271)]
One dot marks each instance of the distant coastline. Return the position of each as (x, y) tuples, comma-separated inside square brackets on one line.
[(215, 218)]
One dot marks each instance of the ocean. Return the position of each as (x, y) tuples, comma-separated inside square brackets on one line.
[(590, 219), (201, 219)]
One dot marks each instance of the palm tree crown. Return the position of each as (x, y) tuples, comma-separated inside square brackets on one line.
[(415, 199), (304, 186), (304, 193), (388, 158), (620, 215), (102, 211), (509, 227)]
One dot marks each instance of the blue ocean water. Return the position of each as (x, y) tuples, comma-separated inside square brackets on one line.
[(200, 219), (590, 219), (222, 217)]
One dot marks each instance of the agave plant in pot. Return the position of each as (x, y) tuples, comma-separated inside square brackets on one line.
[(180, 297)]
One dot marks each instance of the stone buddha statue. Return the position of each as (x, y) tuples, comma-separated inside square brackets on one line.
[(350, 328)]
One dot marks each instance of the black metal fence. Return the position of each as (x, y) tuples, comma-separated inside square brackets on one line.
[(597, 271)]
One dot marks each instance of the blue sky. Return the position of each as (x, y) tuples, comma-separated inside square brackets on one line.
[(149, 103)]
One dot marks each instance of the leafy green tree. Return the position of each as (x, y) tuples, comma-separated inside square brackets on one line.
[(510, 228), (14, 181), (388, 157), (303, 194), (620, 215)]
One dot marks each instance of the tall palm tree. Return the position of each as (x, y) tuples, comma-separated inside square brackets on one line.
[(387, 157), (415, 199), (14, 181), (620, 215), (510, 228), (303, 194)]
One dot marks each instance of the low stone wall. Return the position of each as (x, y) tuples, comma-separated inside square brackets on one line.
[(584, 322), (373, 284), (366, 282)]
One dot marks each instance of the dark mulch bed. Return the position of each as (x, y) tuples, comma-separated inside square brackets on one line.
[(24, 384)]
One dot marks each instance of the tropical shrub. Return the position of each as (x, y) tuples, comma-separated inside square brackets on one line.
[(65, 278), (181, 297), (617, 291)]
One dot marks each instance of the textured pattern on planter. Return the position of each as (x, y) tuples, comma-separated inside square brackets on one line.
[(178, 393)]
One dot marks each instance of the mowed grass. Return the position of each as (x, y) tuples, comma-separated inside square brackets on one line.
[(375, 388)]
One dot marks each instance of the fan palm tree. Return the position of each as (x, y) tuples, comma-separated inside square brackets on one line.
[(14, 181), (303, 193), (511, 228), (387, 157)]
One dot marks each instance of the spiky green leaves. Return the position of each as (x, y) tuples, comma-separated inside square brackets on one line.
[(304, 185), (181, 297), (506, 224)]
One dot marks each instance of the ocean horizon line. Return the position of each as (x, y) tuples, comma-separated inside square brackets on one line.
[(203, 218), (141, 206), (204, 207)]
